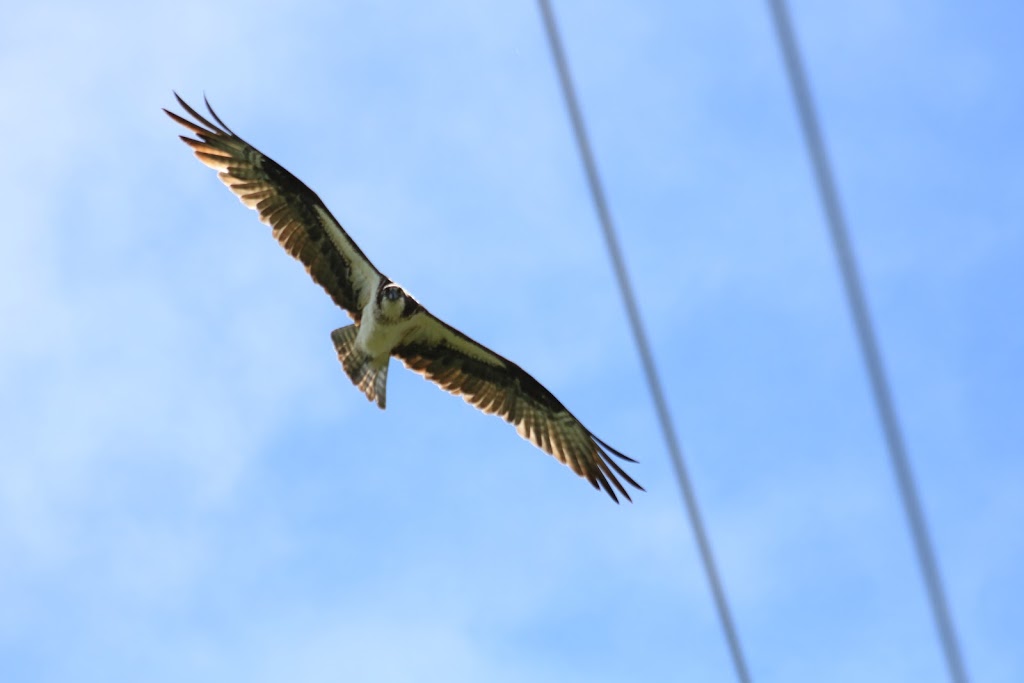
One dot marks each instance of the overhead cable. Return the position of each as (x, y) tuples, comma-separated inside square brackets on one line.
[(868, 341), (646, 358)]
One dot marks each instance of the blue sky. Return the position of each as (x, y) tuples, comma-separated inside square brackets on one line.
[(191, 489)]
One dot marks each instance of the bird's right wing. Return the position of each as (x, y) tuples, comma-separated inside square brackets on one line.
[(300, 220)]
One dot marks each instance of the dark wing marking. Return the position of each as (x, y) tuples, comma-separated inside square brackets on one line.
[(300, 220), (496, 385)]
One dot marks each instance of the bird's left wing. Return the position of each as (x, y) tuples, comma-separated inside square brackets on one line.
[(496, 385), (300, 220)]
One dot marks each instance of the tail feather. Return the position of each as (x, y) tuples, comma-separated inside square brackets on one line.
[(359, 366)]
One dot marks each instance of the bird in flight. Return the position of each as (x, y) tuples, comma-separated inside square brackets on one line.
[(387, 320)]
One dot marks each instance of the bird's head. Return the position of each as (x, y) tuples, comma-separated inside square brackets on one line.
[(393, 292), (394, 303)]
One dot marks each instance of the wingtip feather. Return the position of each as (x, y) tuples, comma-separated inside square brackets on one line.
[(213, 128), (216, 118), (606, 473), (599, 478), (613, 451)]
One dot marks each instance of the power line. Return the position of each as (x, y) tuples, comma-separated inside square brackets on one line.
[(868, 341), (646, 358)]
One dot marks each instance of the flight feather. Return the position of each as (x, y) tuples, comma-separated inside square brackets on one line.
[(300, 221)]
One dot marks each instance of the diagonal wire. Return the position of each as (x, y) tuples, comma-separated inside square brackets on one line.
[(868, 341), (683, 479)]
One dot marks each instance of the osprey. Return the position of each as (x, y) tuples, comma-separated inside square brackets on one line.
[(387, 320)]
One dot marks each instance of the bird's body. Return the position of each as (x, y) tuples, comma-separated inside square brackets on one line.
[(388, 322), (388, 319), (384, 323)]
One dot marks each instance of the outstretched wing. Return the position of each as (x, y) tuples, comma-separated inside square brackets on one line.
[(300, 221), (496, 385)]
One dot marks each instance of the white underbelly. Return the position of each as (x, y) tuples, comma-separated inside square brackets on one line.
[(377, 338)]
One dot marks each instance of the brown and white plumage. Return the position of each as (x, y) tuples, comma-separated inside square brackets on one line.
[(300, 220), (496, 385), (388, 321)]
